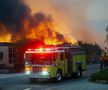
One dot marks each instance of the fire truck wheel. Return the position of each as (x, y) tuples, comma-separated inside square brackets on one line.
[(59, 76), (78, 72), (32, 80)]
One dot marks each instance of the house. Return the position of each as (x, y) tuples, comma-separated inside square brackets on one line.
[(8, 57)]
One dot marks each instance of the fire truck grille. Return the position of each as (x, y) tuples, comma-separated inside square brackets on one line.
[(37, 69)]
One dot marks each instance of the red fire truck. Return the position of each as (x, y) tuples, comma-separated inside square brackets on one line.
[(54, 62)]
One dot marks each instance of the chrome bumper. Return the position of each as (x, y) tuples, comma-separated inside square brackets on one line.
[(41, 75)]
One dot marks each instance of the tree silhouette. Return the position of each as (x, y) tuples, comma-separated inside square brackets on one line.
[(106, 41), (92, 50)]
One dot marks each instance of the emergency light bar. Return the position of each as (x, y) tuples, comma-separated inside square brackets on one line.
[(42, 49), (29, 49)]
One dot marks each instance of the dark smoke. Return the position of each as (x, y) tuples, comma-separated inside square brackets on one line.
[(37, 18), (17, 19), (60, 36), (12, 13)]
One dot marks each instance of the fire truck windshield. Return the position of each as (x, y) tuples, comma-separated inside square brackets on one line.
[(40, 58)]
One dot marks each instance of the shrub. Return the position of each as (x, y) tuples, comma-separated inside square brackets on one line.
[(101, 75)]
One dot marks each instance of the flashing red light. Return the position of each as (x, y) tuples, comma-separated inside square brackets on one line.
[(35, 49), (40, 49), (47, 49), (29, 49)]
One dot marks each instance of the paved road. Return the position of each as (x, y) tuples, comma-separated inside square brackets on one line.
[(22, 83)]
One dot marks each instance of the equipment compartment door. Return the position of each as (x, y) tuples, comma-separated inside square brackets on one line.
[(69, 63)]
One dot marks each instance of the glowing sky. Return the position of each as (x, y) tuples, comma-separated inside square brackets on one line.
[(97, 9), (96, 13)]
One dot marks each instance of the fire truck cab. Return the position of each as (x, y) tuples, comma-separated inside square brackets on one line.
[(56, 63)]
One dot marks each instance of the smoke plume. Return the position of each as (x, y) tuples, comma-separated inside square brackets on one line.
[(44, 20), (70, 16), (12, 13), (17, 23)]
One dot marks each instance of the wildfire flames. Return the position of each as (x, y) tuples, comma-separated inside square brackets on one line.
[(17, 23), (5, 38), (47, 32)]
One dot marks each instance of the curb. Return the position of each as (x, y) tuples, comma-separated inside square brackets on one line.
[(99, 81), (3, 76)]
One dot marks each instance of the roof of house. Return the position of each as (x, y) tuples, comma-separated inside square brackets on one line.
[(7, 44)]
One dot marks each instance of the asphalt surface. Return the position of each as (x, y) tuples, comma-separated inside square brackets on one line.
[(22, 83)]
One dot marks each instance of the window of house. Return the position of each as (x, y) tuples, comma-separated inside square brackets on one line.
[(1, 56), (10, 60)]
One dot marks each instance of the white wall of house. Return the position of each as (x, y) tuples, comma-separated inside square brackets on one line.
[(5, 50)]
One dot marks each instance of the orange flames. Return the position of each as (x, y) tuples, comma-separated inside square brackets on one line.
[(5, 38), (4, 35), (46, 30)]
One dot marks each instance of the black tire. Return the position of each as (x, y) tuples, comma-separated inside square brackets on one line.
[(32, 80), (78, 72), (58, 76)]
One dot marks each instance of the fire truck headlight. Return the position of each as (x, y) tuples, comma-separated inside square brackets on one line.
[(45, 69), (27, 68), (26, 63), (45, 72), (28, 72)]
